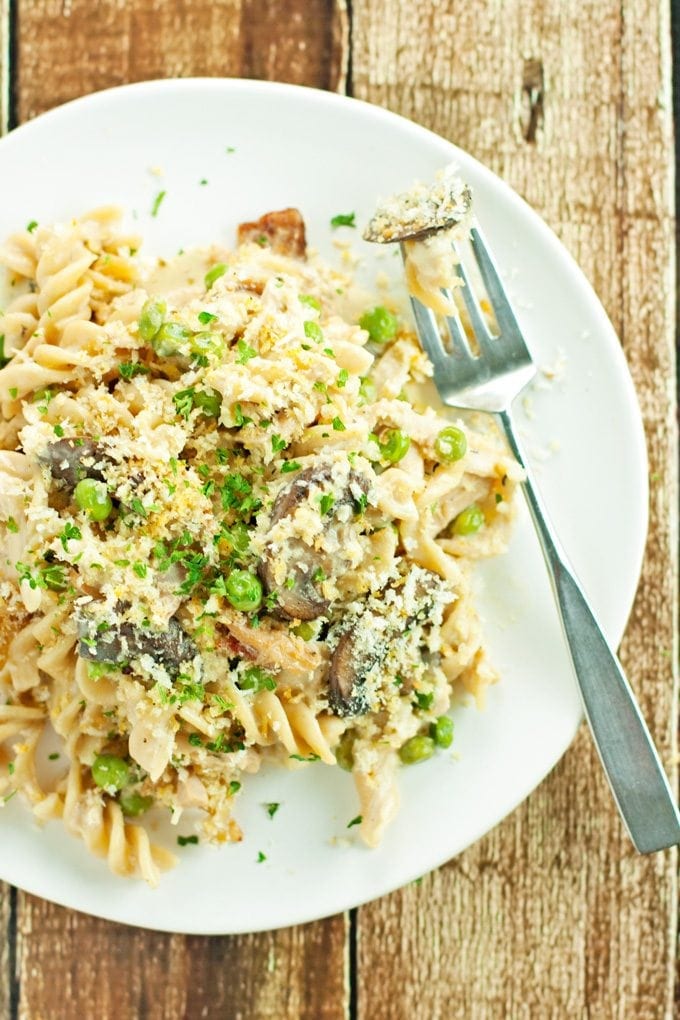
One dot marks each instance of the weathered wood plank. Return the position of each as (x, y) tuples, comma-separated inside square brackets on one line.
[(6, 896), (94, 46), (552, 914), (70, 964)]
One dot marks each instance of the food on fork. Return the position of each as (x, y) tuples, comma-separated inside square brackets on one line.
[(235, 533)]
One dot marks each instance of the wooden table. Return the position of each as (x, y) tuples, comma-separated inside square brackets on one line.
[(552, 914)]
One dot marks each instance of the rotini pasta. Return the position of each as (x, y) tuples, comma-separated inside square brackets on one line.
[(233, 533)]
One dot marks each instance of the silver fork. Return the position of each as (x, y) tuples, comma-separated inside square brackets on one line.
[(489, 380)]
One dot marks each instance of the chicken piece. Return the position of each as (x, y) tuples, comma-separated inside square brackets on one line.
[(283, 231)]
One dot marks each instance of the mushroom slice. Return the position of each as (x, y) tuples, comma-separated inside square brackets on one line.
[(351, 661), (303, 601), (124, 642), (71, 460), (283, 231)]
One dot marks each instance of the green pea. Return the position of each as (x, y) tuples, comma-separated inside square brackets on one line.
[(418, 748), (151, 318), (214, 274), (468, 521), (238, 538), (441, 731), (170, 338), (209, 401), (92, 497), (110, 772), (380, 324), (207, 342), (367, 390), (395, 445), (134, 803), (451, 444), (344, 752), (243, 590)]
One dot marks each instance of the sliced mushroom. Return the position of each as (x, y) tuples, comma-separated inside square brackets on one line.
[(71, 460), (170, 648), (303, 601), (349, 665), (364, 645), (283, 231)]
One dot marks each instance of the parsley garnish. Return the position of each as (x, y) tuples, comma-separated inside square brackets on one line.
[(240, 419), (245, 353), (310, 301), (129, 369), (70, 531), (234, 787), (53, 756), (272, 808), (424, 700), (30, 227), (139, 569), (157, 203), (13, 391), (256, 679), (205, 317), (343, 376), (338, 424), (138, 507), (261, 857), (326, 502), (301, 757), (355, 821), (313, 331), (58, 431), (278, 443), (184, 402), (343, 220), (12, 525), (187, 840), (290, 465)]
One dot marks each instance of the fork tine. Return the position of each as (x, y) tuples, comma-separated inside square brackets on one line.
[(478, 320), (507, 323), (459, 338), (428, 331)]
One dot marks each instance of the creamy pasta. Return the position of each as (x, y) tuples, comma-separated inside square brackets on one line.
[(234, 533)]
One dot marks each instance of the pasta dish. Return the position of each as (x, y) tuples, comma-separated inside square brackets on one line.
[(236, 530)]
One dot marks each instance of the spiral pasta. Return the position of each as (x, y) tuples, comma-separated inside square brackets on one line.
[(233, 531)]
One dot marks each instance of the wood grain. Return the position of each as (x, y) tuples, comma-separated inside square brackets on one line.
[(73, 965), (7, 896), (69, 964), (95, 46), (552, 915)]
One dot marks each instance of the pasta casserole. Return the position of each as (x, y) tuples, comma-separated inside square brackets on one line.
[(236, 531)]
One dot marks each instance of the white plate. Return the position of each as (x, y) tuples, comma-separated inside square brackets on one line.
[(328, 155)]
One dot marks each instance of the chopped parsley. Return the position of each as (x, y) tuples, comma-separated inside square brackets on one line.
[(272, 808), (245, 353), (129, 369), (70, 531), (30, 227), (12, 525), (184, 402), (140, 569), (343, 376), (256, 679), (13, 391), (310, 301), (240, 419), (234, 787), (205, 317), (338, 425), (187, 840), (157, 203), (290, 465), (326, 502), (424, 700), (278, 443), (302, 757), (313, 331), (53, 756), (261, 857), (59, 431), (343, 220), (355, 821)]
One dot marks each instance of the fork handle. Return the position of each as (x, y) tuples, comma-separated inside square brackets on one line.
[(629, 757)]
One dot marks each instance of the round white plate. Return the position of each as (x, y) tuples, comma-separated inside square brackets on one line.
[(264, 146)]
